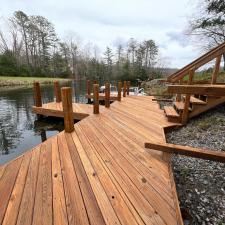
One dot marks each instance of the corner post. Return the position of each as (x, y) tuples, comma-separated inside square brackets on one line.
[(119, 90), (37, 94), (128, 87), (107, 95), (57, 92), (67, 109), (124, 88), (96, 98)]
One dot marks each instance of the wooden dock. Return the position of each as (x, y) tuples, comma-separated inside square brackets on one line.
[(113, 97), (98, 174), (55, 109)]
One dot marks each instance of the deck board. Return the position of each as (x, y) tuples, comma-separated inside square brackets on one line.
[(80, 111), (99, 174)]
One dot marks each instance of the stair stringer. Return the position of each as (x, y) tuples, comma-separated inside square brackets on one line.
[(212, 102)]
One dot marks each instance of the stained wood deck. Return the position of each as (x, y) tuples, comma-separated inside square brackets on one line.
[(80, 111), (99, 174), (113, 97)]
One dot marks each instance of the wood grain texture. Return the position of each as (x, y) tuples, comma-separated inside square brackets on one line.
[(100, 173), (67, 109), (189, 151), (57, 91)]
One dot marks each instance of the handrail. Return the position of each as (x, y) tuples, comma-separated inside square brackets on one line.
[(207, 57)]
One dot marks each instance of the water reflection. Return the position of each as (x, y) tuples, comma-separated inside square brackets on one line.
[(19, 128)]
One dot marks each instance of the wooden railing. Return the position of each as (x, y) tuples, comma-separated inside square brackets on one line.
[(214, 53), (64, 96), (189, 71)]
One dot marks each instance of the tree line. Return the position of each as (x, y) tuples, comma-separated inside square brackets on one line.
[(32, 48)]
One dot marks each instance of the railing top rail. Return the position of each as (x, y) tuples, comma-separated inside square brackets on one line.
[(207, 57)]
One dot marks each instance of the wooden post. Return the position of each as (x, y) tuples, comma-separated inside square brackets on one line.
[(107, 95), (88, 90), (185, 112), (216, 69), (37, 94), (96, 98), (88, 87), (128, 87), (57, 92), (119, 90), (178, 97), (124, 88), (67, 109)]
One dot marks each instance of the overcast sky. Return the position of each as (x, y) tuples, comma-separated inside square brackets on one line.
[(107, 22)]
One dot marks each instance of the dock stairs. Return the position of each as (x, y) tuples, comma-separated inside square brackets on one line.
[(191, 97)]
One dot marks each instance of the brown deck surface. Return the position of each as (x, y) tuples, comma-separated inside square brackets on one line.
[(99, 174), (113, 97), (80, 111)]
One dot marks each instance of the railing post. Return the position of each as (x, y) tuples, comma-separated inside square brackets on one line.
[(67, 109), (96, 98), (107, 95), (216, 69), (57, 92), (128, 87), (185, 112), (119, 90), (178, 97), (88, 89), (124, 88), (37, 94)]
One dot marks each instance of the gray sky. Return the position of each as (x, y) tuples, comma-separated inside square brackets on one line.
[(107, 22)]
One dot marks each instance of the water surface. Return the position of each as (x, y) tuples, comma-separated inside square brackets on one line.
[(19, 128)]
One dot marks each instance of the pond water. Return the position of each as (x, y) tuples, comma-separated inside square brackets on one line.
[(19, 128)]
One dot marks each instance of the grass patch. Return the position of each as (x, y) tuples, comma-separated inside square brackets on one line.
[(15, 81)]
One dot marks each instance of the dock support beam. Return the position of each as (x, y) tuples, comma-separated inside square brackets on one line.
[(37, 94), (124, 88), (119, 90), (67, 109), (96, 99), (57, 92), (128, 87), (107, 95)]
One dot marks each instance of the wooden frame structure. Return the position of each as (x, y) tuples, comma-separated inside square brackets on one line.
[(207, 154), (191, 98), (98, 172)]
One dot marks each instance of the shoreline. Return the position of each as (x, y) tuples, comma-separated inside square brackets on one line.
[(28, 81)]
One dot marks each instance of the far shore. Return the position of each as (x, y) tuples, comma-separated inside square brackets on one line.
[(27, 81)]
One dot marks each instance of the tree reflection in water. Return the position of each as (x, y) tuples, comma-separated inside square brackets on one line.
[(19, 129)]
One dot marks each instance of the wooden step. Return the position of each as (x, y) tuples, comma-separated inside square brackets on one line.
[(179, 105), (196, 101), (170, 111), (211, 103)]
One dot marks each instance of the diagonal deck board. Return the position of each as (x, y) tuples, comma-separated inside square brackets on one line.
[(99, 174)]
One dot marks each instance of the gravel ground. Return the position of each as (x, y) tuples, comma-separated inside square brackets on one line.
[(201, 183)]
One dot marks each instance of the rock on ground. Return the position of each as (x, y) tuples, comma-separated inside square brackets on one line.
[(201, 183)]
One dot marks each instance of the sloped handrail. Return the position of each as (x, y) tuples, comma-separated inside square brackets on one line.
[(207, 57)]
